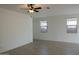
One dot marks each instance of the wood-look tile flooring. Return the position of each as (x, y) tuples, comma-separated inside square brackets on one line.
[(44, 47)]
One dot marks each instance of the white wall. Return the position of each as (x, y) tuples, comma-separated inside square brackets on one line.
[(56, 29), (15, 29)]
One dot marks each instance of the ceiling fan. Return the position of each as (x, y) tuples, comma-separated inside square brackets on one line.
[(31, 7)]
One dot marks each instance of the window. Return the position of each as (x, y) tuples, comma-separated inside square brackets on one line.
[(44, 26), (72, 25)]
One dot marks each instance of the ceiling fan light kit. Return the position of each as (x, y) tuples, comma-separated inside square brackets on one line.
[(31, 11)]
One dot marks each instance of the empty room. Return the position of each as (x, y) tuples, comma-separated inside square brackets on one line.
[(39, 29)]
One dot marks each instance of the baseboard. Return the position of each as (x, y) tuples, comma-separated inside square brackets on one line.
[(60, 41)]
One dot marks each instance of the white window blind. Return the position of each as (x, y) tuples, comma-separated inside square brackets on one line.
[(44, 26), (72, 25)]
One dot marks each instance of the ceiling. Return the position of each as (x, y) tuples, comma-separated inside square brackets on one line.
[(55, 9)]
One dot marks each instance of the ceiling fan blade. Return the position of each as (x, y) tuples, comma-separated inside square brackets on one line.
[(38, 8), (36, 11)]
